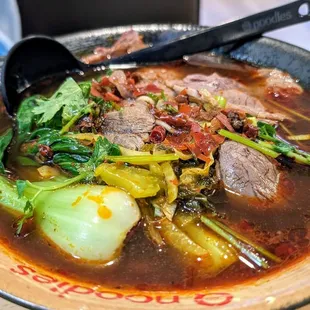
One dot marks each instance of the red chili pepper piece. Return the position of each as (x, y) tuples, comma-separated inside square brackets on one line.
[(158, 134), (45, 151), (110, 96), (105, 81), (204, 141), (175, 120), (152, 88)]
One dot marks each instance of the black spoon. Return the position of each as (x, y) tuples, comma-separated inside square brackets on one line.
[(37, 57)]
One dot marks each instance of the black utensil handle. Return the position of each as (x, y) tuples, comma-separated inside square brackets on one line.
[(244, 28)]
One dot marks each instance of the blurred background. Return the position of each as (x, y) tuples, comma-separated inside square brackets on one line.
[(19, 18)]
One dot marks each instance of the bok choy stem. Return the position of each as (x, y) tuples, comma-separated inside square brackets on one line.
[(235, 242), (257, 247), (299, 156), (249, 143), (143, 159), (59, 185)]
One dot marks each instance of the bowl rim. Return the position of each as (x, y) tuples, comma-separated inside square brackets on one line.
[(115, 30)]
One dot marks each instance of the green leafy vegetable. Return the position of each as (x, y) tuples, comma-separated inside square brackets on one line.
[(68, 145), (17, 201), (57, 142), (156, 97), (153, 96), (268, 132), (171, 109), (69, 97), (85, 87), (28, 213), (103, 147), (70, 162), (9, 196), (163, 96), (81, 162), (108, 72), (25, 119), (20, 186), (55, 123), (5, 140), (26, 161), (77, 164), (107, 106), (194, 200), (221, 101)]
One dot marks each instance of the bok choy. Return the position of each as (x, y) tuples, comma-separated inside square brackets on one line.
[(221, 255), (244, 245), (85, 221)]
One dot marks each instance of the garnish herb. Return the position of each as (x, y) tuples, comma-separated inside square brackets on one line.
[(5, 140), (268, 132), (69, 98)]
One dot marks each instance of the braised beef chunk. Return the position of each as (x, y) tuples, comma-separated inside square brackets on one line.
[(130, 126), (247, 172)]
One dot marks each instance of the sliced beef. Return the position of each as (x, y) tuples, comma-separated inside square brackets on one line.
[(156, 76), (118, 78), (239, 100), (247, 172), (130, 126), (234, 92), (278, 81), (194, 83), (130, 141), (143, 84), (242, 99), (128, 42), (213, 83)]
